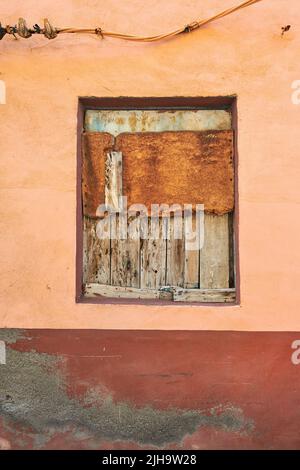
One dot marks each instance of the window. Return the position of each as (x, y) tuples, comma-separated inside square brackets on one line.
[(157, 194)]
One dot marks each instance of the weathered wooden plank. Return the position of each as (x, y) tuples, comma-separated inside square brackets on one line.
[(125, 254), (191, 256), (153, 254), (175, 252), (178, 294), (113, 180), (100, 290), (96, 251), (204, 295), (232, 265), (214, 255)]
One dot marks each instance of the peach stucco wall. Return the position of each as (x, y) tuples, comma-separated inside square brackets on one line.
[(243, 54)]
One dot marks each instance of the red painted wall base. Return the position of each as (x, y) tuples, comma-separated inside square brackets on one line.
[(84, 389)]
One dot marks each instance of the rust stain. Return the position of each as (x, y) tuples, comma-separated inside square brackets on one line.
[(120, 121), (132, 122), (95, 147), (184, 167)]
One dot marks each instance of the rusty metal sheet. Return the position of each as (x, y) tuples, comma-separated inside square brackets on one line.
[(95, 148), (178, 168)]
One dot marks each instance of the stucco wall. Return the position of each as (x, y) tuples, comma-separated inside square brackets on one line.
[(243, 54)]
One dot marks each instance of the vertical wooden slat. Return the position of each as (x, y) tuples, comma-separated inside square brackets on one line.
[(175, 255), (125, 260), (153, 254), (113, 180), (214, 256), (232, 273), (125, 256), (191, 257), (96, 252)]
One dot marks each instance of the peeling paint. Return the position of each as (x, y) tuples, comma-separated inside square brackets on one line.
[(11, 335), (33, 394), (118, 121)]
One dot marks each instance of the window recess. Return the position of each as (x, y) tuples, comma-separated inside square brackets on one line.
[(158, 205)]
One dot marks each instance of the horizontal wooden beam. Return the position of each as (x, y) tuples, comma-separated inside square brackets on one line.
[(101, 290), (167, 293), (204, 295)]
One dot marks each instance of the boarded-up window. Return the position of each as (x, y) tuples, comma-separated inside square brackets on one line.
[(158, 205)]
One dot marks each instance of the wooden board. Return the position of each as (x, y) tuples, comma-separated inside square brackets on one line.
[(151, 264), (205, 295), (232, 271), (153, 254), (113, 181), (177, 294), (125, 256), (214, 255), (191, 256), (96, 252), (175, 253), (98, 290)]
